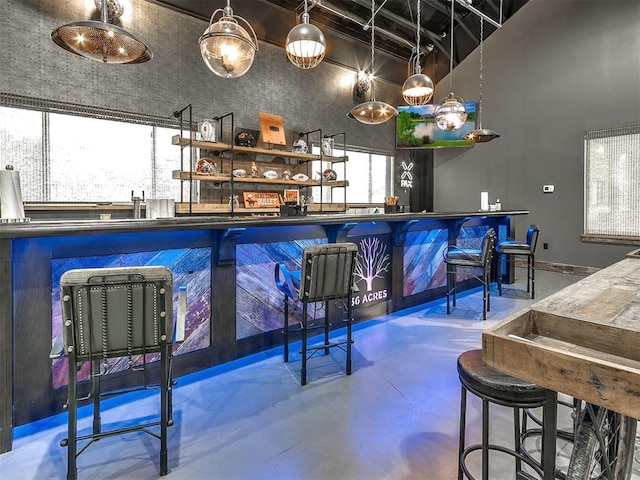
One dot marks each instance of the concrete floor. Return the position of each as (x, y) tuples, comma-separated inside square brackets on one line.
[(395, 417)]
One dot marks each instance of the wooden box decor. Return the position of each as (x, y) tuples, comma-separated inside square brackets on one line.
[(271, 129), (261, 200), (591, 361)]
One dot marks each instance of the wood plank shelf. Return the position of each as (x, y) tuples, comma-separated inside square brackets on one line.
[(222, 147), (180, 175), (218, 208)]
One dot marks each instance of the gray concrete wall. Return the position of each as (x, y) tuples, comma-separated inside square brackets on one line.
[(555, 70), (33, 65)]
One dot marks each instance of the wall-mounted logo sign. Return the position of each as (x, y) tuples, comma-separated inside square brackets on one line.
[(406, 178), (372, 272)]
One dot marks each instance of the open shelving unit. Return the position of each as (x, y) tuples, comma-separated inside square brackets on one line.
[(228, 156)]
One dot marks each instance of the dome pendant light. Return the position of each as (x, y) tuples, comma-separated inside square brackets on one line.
[(418, 88), (450, 114), (305, 45), (102, 41), (226, 47), (372, 112), (481, 135)]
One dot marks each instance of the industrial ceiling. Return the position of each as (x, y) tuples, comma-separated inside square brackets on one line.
[(345, 24)]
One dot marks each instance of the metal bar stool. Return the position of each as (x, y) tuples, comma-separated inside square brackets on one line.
[(456, 257), (326, 276), (528, 249), (498, 388), (113, 313)]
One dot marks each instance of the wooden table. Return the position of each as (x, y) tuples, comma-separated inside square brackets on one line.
[(582, 341)]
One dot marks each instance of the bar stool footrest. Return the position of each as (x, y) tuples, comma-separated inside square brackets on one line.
[(520, 474)]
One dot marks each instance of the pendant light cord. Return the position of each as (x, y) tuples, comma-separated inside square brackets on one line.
[(416, 67), (373, 47), (480, 96), (453, 4)]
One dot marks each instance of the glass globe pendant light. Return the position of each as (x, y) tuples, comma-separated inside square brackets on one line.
[(227, 48), (418, 88), (450, 114), (372, 112), (305, 44), (102, 41), (481, 135)]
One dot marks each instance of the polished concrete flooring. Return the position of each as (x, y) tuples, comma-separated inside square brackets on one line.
[(395, 417)]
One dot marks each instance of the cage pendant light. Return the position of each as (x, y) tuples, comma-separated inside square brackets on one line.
[(418, 88), (305, 45), (101, 40), (227, 48), (481, 135), (372, 112), (450, 114)]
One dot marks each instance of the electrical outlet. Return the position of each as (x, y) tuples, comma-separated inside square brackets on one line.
[(545, 246), (548, 189)]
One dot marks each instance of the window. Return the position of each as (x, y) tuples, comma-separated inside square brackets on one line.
[(72, 158), (612, 182), (369, 174)]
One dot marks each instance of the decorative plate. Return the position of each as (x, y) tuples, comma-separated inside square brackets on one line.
[(207, 130), (206, 166), (239, 172), (270, 174), (327, 146), (300, 177)]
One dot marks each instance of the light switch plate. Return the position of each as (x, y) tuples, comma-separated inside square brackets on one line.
[(547, 188)]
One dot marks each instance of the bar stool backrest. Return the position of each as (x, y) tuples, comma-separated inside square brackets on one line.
[(115, 312), (488, 243), (327, 271), (532, 237)]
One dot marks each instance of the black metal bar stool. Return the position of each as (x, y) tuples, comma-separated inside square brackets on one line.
[(498, 388), (456, 257), (528, 249), (327, 275)]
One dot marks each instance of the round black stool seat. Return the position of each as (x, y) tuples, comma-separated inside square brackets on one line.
[(500, 387)]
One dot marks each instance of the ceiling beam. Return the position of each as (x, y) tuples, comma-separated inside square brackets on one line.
[(433, 37)]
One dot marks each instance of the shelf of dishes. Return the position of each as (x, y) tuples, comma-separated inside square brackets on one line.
[(221, 178), (221, 147), (182, 208)]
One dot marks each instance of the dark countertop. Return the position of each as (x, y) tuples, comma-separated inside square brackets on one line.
[(71, 227)]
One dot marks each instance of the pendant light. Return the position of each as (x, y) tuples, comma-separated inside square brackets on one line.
[(418, 88), (227, 48), (305, 45), (373, 112), (450, 114), (102, 41), (481, 135)]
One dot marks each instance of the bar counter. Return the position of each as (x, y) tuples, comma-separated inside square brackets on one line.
[(218, 259)]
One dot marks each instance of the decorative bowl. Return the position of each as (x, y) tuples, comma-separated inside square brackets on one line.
[(270, 174), (239, 172), (300, 177)]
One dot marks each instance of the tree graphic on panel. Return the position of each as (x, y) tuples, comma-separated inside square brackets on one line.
[(372, 260)]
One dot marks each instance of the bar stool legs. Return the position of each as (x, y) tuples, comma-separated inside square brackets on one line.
[(493, 387)]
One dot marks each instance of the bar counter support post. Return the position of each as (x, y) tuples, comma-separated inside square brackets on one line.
[(6, 353)]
